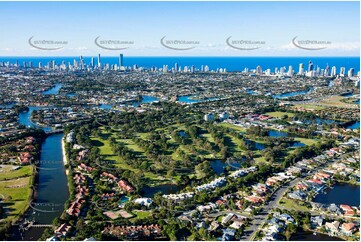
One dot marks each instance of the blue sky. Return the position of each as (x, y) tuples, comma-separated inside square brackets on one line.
[(206, 24)]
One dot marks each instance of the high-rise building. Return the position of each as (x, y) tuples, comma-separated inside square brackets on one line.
[(282, 70), (351, 72), (342, 71), (176, 67), (310, 66), (301, 69), (333, 71), (81, 62), (121, 63), (290, 71), (327, 70), (92, 63), (259, 70), (99, 61), (206, 69), (267, 72)]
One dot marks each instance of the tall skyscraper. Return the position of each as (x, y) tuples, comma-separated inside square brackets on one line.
[(259, 70), (310, 66), (121, 63), (351, 72), (301, 69), (81, 62), (327, 70), (290, 71), (342, 71), (92, 63), (333, 71), (99, 62), (176, 67)]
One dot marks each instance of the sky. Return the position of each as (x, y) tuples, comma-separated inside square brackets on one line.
[(205, 26)]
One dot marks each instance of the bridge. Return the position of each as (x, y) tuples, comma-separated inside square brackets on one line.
[(31, 224), (42, 225), (57, 131)]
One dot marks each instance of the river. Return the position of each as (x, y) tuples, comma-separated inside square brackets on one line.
[(52, 191)]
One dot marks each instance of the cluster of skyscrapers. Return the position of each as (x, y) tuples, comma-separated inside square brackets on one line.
[(311, 71), (191, 69), (80, 64)]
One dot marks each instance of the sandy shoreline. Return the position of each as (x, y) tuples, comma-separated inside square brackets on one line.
[(65, 159)]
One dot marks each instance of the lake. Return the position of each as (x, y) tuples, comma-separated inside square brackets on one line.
[(255, 145), (146, 99), (148, 191), (309, 236), (341, 193), (219, 166)]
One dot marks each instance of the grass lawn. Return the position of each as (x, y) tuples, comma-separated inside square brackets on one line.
[(291, 204), (11, 174), (141, 214), (232, 126), (20, 191), (310, 106), (335, 101), (280, 114)]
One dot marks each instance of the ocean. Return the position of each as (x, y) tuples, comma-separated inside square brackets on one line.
[(230, 63)]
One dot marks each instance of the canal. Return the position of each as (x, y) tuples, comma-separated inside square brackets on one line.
[(52, 191)]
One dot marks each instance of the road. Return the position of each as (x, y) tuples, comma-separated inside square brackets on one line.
[(260, 218)]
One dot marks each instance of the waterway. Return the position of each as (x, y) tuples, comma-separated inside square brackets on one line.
[(191, 99), (291, 94), (309, 236), (339, 194), (54, 90), (52, 191), (354, 125)]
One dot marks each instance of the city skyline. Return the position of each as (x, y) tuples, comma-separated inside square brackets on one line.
[(233, 30)]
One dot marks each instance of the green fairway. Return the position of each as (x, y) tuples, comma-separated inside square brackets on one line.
[(232, 126), (306, 141), (108, 154), (280, 114)]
